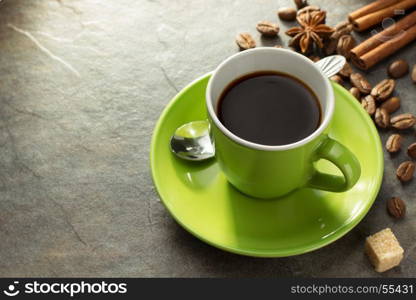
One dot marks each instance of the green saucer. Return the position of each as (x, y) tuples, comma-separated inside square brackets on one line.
[(198, 196)]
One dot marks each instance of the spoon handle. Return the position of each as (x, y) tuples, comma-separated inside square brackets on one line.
[(331, 65)]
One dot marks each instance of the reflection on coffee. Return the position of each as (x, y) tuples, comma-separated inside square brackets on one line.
[(269, 108)]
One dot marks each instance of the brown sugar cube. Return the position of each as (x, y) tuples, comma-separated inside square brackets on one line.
[(383, 250)]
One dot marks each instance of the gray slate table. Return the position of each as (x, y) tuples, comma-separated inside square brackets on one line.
[(82, 86)]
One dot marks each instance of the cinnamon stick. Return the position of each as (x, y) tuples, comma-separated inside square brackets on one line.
[(370, 8), (385, 35), (377, 17), (374, 56)]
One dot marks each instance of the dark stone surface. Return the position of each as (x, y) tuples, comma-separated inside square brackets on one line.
[(82, 86)]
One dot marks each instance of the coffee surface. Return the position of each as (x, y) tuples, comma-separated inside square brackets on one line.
[(269, 108)]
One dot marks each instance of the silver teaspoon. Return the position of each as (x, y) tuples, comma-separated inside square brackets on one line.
[(193, 140), (331, 65)]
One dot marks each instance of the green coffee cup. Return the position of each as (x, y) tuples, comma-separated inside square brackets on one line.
[(264, 171)]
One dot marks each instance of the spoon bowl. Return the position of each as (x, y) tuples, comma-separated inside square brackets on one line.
[(193, 141)]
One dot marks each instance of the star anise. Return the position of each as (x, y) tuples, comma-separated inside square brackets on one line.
[(311, 31)]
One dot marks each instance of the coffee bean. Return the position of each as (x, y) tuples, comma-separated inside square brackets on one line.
[(314, 58), (300, 3), (346, 71), (382, 118), (331, 46), (287, 14), (398, 68), (337, 79), (405, 171), (309, 8), (396, 207), (360, 83), (414, 74), (403, 121), (369, 104), (391, 105), (345, 44), (267, 28), (384, 89), (341, 29), (394, 143), (245, 41), (411, 150), (355, 92)]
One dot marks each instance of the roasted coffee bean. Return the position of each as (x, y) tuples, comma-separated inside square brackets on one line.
[(394, 143), (331, 46), (287, 14), (267, 28), (337, 79), (245, 41), (391, 105), (345, 44), (398, 68), (341, 29), (360, 83), (403, 121), (355, 92), (301, 3), (396, 207), (309, 8), (405, 171), (382, 118), (369, 104), (414, 74), (411, 150), (346, 71), (384, 89), (314, 58)]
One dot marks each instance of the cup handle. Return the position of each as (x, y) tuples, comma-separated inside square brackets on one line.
[(344, 159)]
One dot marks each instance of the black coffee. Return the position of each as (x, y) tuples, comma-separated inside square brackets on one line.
[(269, 108)]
